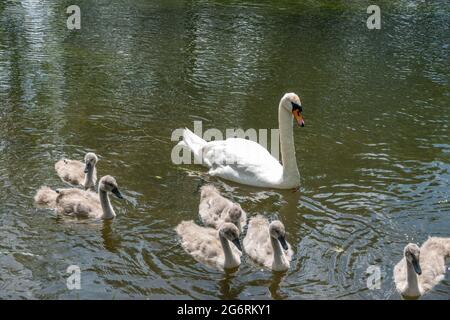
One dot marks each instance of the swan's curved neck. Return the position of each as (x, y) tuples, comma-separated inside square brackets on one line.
[(89, 178), (278, 254), (231, 260), (288, 158), (108, 211), (412, 288)]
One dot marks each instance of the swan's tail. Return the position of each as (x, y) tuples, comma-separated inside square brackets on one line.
[(442, 243), (46, 197), (181, 227), (185, 228), (194, 143)]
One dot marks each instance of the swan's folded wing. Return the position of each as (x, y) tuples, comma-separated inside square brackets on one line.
[(71, 171), (241, 160), (436, 246), (207, 252), (77, 209), (433, 255), (202, 243), (69, 165), (256, 243), (237, 150), (74, 194), (79, 203)]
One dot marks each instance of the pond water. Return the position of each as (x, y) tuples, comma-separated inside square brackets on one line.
[(374, 156)]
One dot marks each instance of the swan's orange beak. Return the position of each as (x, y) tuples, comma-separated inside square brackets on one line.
[(298, 117)]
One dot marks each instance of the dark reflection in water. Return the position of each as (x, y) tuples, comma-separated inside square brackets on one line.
[(274, 288), (226, 288), (110, 240), (373, 158)]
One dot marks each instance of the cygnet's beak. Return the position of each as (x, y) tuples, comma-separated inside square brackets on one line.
[(416, 266), (283, 242), (117, 193), (237, 243), (87, 167)]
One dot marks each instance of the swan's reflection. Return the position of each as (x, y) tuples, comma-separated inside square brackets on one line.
[(227, 291), (274, 287), (109, 242), (292, 203)]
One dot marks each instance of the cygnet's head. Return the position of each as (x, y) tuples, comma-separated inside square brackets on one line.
[(109, 184), (90, 159), (276, 230), (412, 256), (291, 102), (234, 214), (230, 232)]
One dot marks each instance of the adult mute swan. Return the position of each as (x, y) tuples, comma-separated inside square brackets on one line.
[(80, 203), (210, 246), (78, 173), (421, 268), (266, 244), (214, 209), (247, 162)]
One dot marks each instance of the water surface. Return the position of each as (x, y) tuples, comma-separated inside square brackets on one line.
[(374, 156)]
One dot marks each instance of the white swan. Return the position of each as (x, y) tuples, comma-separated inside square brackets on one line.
[(266, 244), (78, 173), (210, 246), (214, 209), (421, 269), (247, 162), (80, 203)]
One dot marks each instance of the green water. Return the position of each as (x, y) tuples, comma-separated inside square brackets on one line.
[(374, 156)]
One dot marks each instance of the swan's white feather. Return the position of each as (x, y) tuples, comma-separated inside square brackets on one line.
[(243, 161)]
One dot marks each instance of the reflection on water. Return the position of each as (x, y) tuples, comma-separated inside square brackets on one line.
[(226, 288), (274, 288), (374, 156)]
